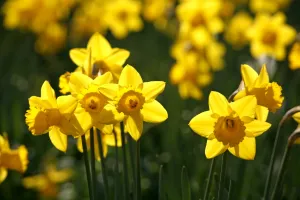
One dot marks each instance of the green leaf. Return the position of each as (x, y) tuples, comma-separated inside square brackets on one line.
[(185, 185)]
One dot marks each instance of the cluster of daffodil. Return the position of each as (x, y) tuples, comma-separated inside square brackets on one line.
[(11, 159)]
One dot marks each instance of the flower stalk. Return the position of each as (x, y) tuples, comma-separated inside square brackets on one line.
[(138, 172), (222, 176), (208, 184), (93, 164)]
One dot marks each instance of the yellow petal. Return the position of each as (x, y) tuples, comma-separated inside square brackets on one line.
[(109, 90), (256, 128), (15, 159), (59, 176), (110, 140), (130, 77), (297, 117), (218, 104), (78, 56), (261, 113), (249, 75), (263, 78), (203, 124), (103, 79), (99, 46), (79, 82), (66, 104), (82, 120), (245, 149), (118, 56), (39, 103), (214, 148), (134, 125), (47, 93), (105, 129), (3, 174), (38, 182), (154, 112), (58, 139), (108, 115), (152, 89), (240, 94), (245, 106)]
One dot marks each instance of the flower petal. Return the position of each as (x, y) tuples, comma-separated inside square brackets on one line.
[(130, 77), (78, 56), (108, 115), (296, 117), (58, 139), (82, 120), (256, 128), (218, 104), (240, 94), (47, 93), (203, 124), (66, 104), (39, 103), (214, 148), (79, 82), (118, 56), (261, 113), (105, 129), (263, 78), (99, 46), (3, 174), (154, 112), (134, 125), (103, 79), (245, 106), (245, 149), (109, 90), (152, 89), (249, 75)]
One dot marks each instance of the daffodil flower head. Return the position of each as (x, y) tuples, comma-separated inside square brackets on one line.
[(229, 126), (93, 107), (294, 57), (48, 114), (268, 95), (135, 99)]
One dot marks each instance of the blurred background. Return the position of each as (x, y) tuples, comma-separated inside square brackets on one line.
[(36, 37)]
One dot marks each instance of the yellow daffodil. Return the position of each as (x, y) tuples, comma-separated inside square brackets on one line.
[(237, 28), (271, 6), (48, 114), (46, 183), (268, 95), (107, 139), (93, 107), (229, 126), (122, 16), (269, 35), (297, 117), (136, 100), (16, 159), (294, 57), (104, 58), (64, 80)]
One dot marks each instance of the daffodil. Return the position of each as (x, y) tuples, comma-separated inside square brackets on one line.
[(269, 35), (123, 16), (16, 159), (268, 95), (135, 99), (103, 57), (270, 6), (294, 57), (229, 126), (48, 114), (237, 28), (47, 182), (93, 107)]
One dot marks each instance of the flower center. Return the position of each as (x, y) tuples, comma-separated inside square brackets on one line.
[(198, 20), (229, 130), (131, 101), (269, 38), (53, 116), (93, 102)]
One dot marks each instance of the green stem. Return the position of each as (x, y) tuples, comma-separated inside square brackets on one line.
[(93, 165), (116, 167), (87, 167), (270, 171), (208, 184), (104, 174), (222, 176), (281, 171), (125, 170), (160, 184), (131, 155), (230, 190), (138, 172)]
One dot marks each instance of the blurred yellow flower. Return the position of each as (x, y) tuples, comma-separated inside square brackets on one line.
[(269, 35), (294, 57), (268, 95), (93, 108), (237, 28), (270, 6), (46, 183), (16, 159), (297, 117), (103, 57), (48, 114), (122, 16), (136, 100), (229, 126)]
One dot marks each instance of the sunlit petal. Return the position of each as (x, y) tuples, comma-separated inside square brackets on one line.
[(79, 82), (130, 77), (249, 75), (256, 128), (134, 125), (245, 149), (109, 90), (58, 139), (99, 46), (78, 56), (261, 113), (214, 148), (154, 112), (203, 124), (218, 104), (245, 106), (152, 89), (47, 93)]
